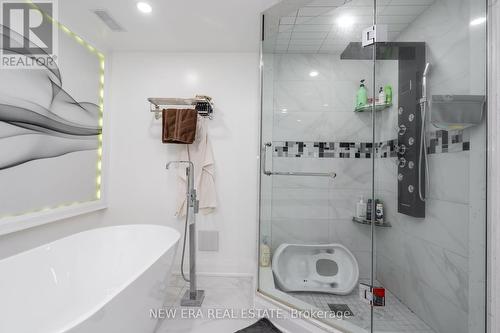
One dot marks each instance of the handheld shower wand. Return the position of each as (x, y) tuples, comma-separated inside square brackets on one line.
[(424, 80), (423, 142), (192, 297)]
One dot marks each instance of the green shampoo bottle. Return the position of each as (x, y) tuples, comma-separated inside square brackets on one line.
[(362, 95), (388, 94)]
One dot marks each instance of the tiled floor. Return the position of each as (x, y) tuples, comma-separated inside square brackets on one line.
[(237, 293), (221, 293), (394, 317)]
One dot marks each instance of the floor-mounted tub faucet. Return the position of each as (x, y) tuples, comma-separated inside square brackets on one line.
[(192, 297)]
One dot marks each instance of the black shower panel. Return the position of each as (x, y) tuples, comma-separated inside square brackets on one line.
[(411, 66)]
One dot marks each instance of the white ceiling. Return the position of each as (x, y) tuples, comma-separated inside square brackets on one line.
[(173, 26), (314, 27)]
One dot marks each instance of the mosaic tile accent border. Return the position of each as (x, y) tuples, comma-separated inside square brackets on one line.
[(332, 149), (447, 142), (439, 142)]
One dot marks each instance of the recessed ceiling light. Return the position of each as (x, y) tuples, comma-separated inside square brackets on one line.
[(144, 7), (345, 21), (313, 73), (284, 110), (478, 21)]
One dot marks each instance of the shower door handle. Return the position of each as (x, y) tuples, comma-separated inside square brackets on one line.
[(289, 173), (264, 159)]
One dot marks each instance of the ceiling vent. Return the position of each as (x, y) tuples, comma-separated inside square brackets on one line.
[(108, 20)]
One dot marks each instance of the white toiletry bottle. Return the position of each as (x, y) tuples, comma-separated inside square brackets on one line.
[(379, 213), (381, 96), (265, 253), (361, 208)]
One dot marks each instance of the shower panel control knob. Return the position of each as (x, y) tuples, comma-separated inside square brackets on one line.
[(402, 129), (402, 162), (411, 188), (400, 110), (411, 165), (411, 141), (401, 150), (400, 177), (411, 117)]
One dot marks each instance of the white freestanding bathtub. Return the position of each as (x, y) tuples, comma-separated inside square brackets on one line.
[(99, 281)]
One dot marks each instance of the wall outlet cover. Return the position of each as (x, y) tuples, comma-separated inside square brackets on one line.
[(208, 240)]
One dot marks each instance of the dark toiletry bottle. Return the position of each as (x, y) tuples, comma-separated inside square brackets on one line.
[(369, 210)]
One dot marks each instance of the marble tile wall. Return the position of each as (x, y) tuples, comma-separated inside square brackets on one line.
[(436, 265)]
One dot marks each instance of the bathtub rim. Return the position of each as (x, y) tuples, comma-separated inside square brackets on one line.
[(127, 282)]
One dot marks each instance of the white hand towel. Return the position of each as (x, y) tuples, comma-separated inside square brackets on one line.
[(200, 153)]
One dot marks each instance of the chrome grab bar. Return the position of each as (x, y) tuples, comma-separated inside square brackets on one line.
[(276, 173)]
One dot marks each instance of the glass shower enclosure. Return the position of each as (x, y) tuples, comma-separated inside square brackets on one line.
[(373, 163)]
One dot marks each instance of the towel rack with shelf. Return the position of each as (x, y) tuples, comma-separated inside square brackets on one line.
[(203, 104)]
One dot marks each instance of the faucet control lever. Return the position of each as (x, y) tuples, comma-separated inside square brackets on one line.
[(193, 201)]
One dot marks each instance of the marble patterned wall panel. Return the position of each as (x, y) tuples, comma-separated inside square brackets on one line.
[(386, 121), (436, 310), (439, 269), (321, 126), (354, 236), (297, 67), (295, 96), (300, 203), (300, 231), (364, 259), (448, 46), (449, 177)]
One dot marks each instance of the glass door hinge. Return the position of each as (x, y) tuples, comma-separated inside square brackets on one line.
[(375, 296), (374, 34)]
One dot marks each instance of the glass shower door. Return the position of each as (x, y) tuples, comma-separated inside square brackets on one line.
[(399, 124), (317, 144), (430, 167)]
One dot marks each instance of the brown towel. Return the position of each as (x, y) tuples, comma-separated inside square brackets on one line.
[(179, 125)]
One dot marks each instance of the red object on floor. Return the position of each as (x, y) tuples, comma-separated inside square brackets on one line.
[(378, 296)]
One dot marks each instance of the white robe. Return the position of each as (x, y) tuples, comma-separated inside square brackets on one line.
[(200, 153)]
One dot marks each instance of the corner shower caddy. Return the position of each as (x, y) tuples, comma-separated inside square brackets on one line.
[(385, 224), (368, 107)]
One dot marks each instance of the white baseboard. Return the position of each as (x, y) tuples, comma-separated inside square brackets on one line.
[(220, 274)]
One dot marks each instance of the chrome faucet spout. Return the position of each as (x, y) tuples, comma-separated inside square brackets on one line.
[(190, 191)]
